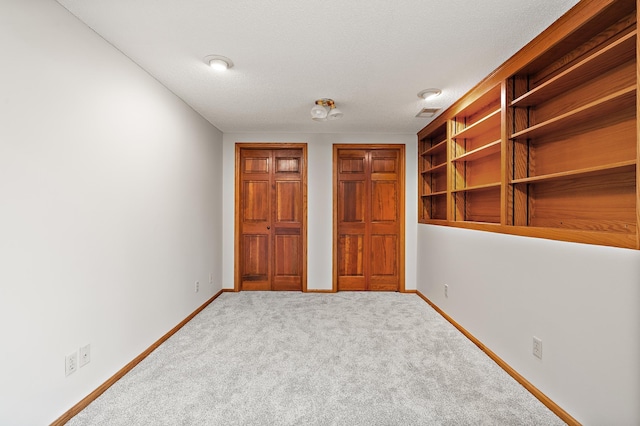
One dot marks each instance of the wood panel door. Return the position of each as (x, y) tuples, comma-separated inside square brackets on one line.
[(368, 217), (271, 217)]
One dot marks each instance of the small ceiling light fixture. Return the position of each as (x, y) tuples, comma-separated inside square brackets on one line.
[(429, 93), (218, 63), (325, 109)]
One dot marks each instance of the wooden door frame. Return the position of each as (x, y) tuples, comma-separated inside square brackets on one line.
[(237, 233), (401, 206)]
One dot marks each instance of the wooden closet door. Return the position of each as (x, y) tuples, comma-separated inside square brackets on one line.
[(369, 217), (270, 218), (287, 219), (353, 217)]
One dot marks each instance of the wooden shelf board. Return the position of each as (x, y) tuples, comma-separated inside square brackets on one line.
[(560, 234), (435, 169), (434, 221), (440, 146), (590, 171), (608, 104), (483, 151), (472, 107), (491, 120), (478, 187), (617, 53), (435, 194), (441, 222), (475, 222)]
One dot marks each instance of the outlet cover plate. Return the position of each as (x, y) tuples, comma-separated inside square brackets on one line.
[(85, 355), (71, 363), (537, 347)]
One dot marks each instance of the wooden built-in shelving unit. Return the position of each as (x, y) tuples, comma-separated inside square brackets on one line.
[(547, 146), (433, 158), (475, 162)]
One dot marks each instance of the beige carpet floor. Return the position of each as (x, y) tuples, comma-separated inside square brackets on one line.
[(259, 358)]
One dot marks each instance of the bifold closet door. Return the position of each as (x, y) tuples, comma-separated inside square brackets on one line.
[(271, 217), (369, 217)]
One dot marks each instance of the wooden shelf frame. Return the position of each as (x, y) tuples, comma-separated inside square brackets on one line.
[(475, 188), (437, 148), (481, 152), (433, 172), (435, 194), (621, 166), (490, 121), (475, 150), (586, 113), (612, 55), (577, 80), (439, 168)]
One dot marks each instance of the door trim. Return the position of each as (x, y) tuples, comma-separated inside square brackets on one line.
[(401, 206), (236, 243)]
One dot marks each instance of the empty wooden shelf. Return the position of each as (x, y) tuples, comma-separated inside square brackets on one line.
[(547, 145)]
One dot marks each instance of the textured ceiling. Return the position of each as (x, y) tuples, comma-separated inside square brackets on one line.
[(372, 57)]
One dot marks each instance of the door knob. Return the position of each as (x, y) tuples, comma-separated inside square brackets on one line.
[(268, 227)]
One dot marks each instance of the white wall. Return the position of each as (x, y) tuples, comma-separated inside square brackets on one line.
[(320, 199), (110, 191), (581, 300)]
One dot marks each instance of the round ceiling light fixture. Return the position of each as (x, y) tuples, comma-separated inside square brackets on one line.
[(218, 63), (427, 94), (325, 109)]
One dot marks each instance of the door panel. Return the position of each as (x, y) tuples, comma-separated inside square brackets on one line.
[(351, 262), (255, 199), (255, 252), (287, 249), (271, 229), (369, 217), (383, 255), (288, 201), (384, 164), (288, 261), (352, 207), (384, 203), (352, 162), (384, 263), (257, 164), (288, 164)]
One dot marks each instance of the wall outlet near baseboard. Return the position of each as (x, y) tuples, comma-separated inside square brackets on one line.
[(446, 290), (211, 278), (71, 363), (537, 347), (197, 286)]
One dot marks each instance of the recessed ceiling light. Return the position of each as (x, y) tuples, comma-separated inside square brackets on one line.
[(218, 63), (429, 93)]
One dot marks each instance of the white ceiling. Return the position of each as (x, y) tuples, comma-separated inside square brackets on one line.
[(371, 56)]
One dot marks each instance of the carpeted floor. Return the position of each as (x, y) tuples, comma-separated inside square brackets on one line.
[(260, 358)]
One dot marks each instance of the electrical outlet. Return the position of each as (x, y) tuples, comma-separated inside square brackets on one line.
[(211, 278), (85, 355), (71, 363), (197, 286), (446, 290), (537, 347)]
